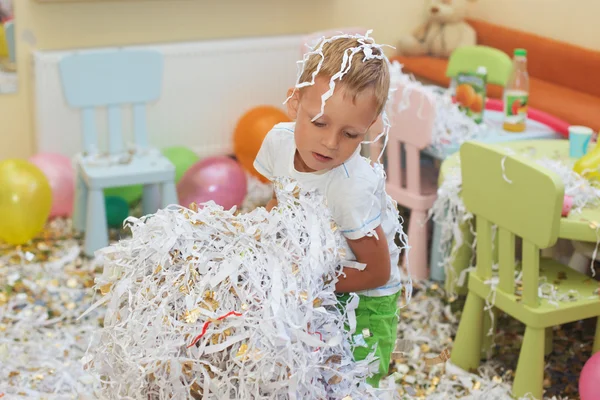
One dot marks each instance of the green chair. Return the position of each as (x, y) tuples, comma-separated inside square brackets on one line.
[(469, 58), (524, 200)]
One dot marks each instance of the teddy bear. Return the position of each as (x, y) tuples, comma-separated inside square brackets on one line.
[(444, 31)]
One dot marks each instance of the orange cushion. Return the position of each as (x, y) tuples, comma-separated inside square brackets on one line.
[(575, 107), (548, 59), (431, 68)]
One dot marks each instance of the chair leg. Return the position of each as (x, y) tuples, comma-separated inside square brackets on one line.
[(435, 256), (467, 344), (548, 341), (150, 199), (169, 194), (597, 337), (529, 376), (80, 204), (96, 231), (417, 240)]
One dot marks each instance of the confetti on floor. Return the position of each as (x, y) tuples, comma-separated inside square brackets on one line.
[(46, 285)]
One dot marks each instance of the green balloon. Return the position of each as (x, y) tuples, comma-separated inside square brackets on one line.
[(117, 210), (130, 194), (182, 157)]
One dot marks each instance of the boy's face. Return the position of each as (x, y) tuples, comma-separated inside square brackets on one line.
[(332, 138)]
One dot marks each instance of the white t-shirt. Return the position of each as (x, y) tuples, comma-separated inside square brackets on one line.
[(355, 193)]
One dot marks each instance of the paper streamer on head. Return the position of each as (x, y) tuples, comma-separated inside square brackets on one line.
[(207, 303)]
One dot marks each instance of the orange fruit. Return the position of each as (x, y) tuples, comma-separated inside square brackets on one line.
[(465, 94), (477, 104)]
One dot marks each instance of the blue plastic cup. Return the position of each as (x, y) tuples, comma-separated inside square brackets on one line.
[(579, 138)]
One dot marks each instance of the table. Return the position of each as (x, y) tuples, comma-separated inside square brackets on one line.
[(496, 134), (576, 226)]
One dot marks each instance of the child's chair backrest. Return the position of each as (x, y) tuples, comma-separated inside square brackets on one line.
[(412, 116), (468, 58), (522, 199), (112, 79)]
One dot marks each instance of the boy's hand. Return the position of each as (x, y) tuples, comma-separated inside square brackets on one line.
[(375, 253), (272, 203)]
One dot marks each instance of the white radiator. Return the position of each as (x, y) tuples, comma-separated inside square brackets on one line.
[(207, 86)]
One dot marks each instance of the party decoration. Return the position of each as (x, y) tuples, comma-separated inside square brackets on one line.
[(204, 303), (589, 380), (59, 172), (117, 210), (182, 157), (250, 132), (25, 200), (220, 179), (130, 194)]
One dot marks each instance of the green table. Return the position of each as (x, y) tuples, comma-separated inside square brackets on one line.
[(576, 226)]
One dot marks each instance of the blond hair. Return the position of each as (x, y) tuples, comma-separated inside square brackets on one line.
[(364, 73)]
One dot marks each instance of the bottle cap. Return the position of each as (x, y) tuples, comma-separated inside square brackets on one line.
[(520, 52)]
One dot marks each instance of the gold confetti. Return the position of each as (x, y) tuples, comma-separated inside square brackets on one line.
[(242, 350), (334, 359), (303, 296), (334, 380), (196, 391), (477, 385), (158, 269), (184, 289), (443, 357), (192, 316), (347, 398), (104, 289), (317, 302), (425, 348), (497, 379)]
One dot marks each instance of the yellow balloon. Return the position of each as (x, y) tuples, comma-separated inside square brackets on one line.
[(25, 201)]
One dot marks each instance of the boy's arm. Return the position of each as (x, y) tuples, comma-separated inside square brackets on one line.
[(375, 253)]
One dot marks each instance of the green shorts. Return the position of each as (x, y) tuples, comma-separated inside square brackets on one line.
[(379, 315)]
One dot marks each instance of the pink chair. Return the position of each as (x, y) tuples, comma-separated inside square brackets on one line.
[(409, 183), (313, 38)]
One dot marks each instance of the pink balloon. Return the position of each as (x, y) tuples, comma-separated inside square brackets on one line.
[(589, 380), (220, 179), (59, 171)]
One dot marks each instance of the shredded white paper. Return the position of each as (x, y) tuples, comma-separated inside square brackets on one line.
[(216, 305)]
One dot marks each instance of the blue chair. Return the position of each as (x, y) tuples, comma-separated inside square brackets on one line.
[(114, 79)]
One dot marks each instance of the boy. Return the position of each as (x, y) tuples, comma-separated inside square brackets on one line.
[(340, 94)]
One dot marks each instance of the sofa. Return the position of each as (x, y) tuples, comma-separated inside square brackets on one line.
[(564, 78)]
